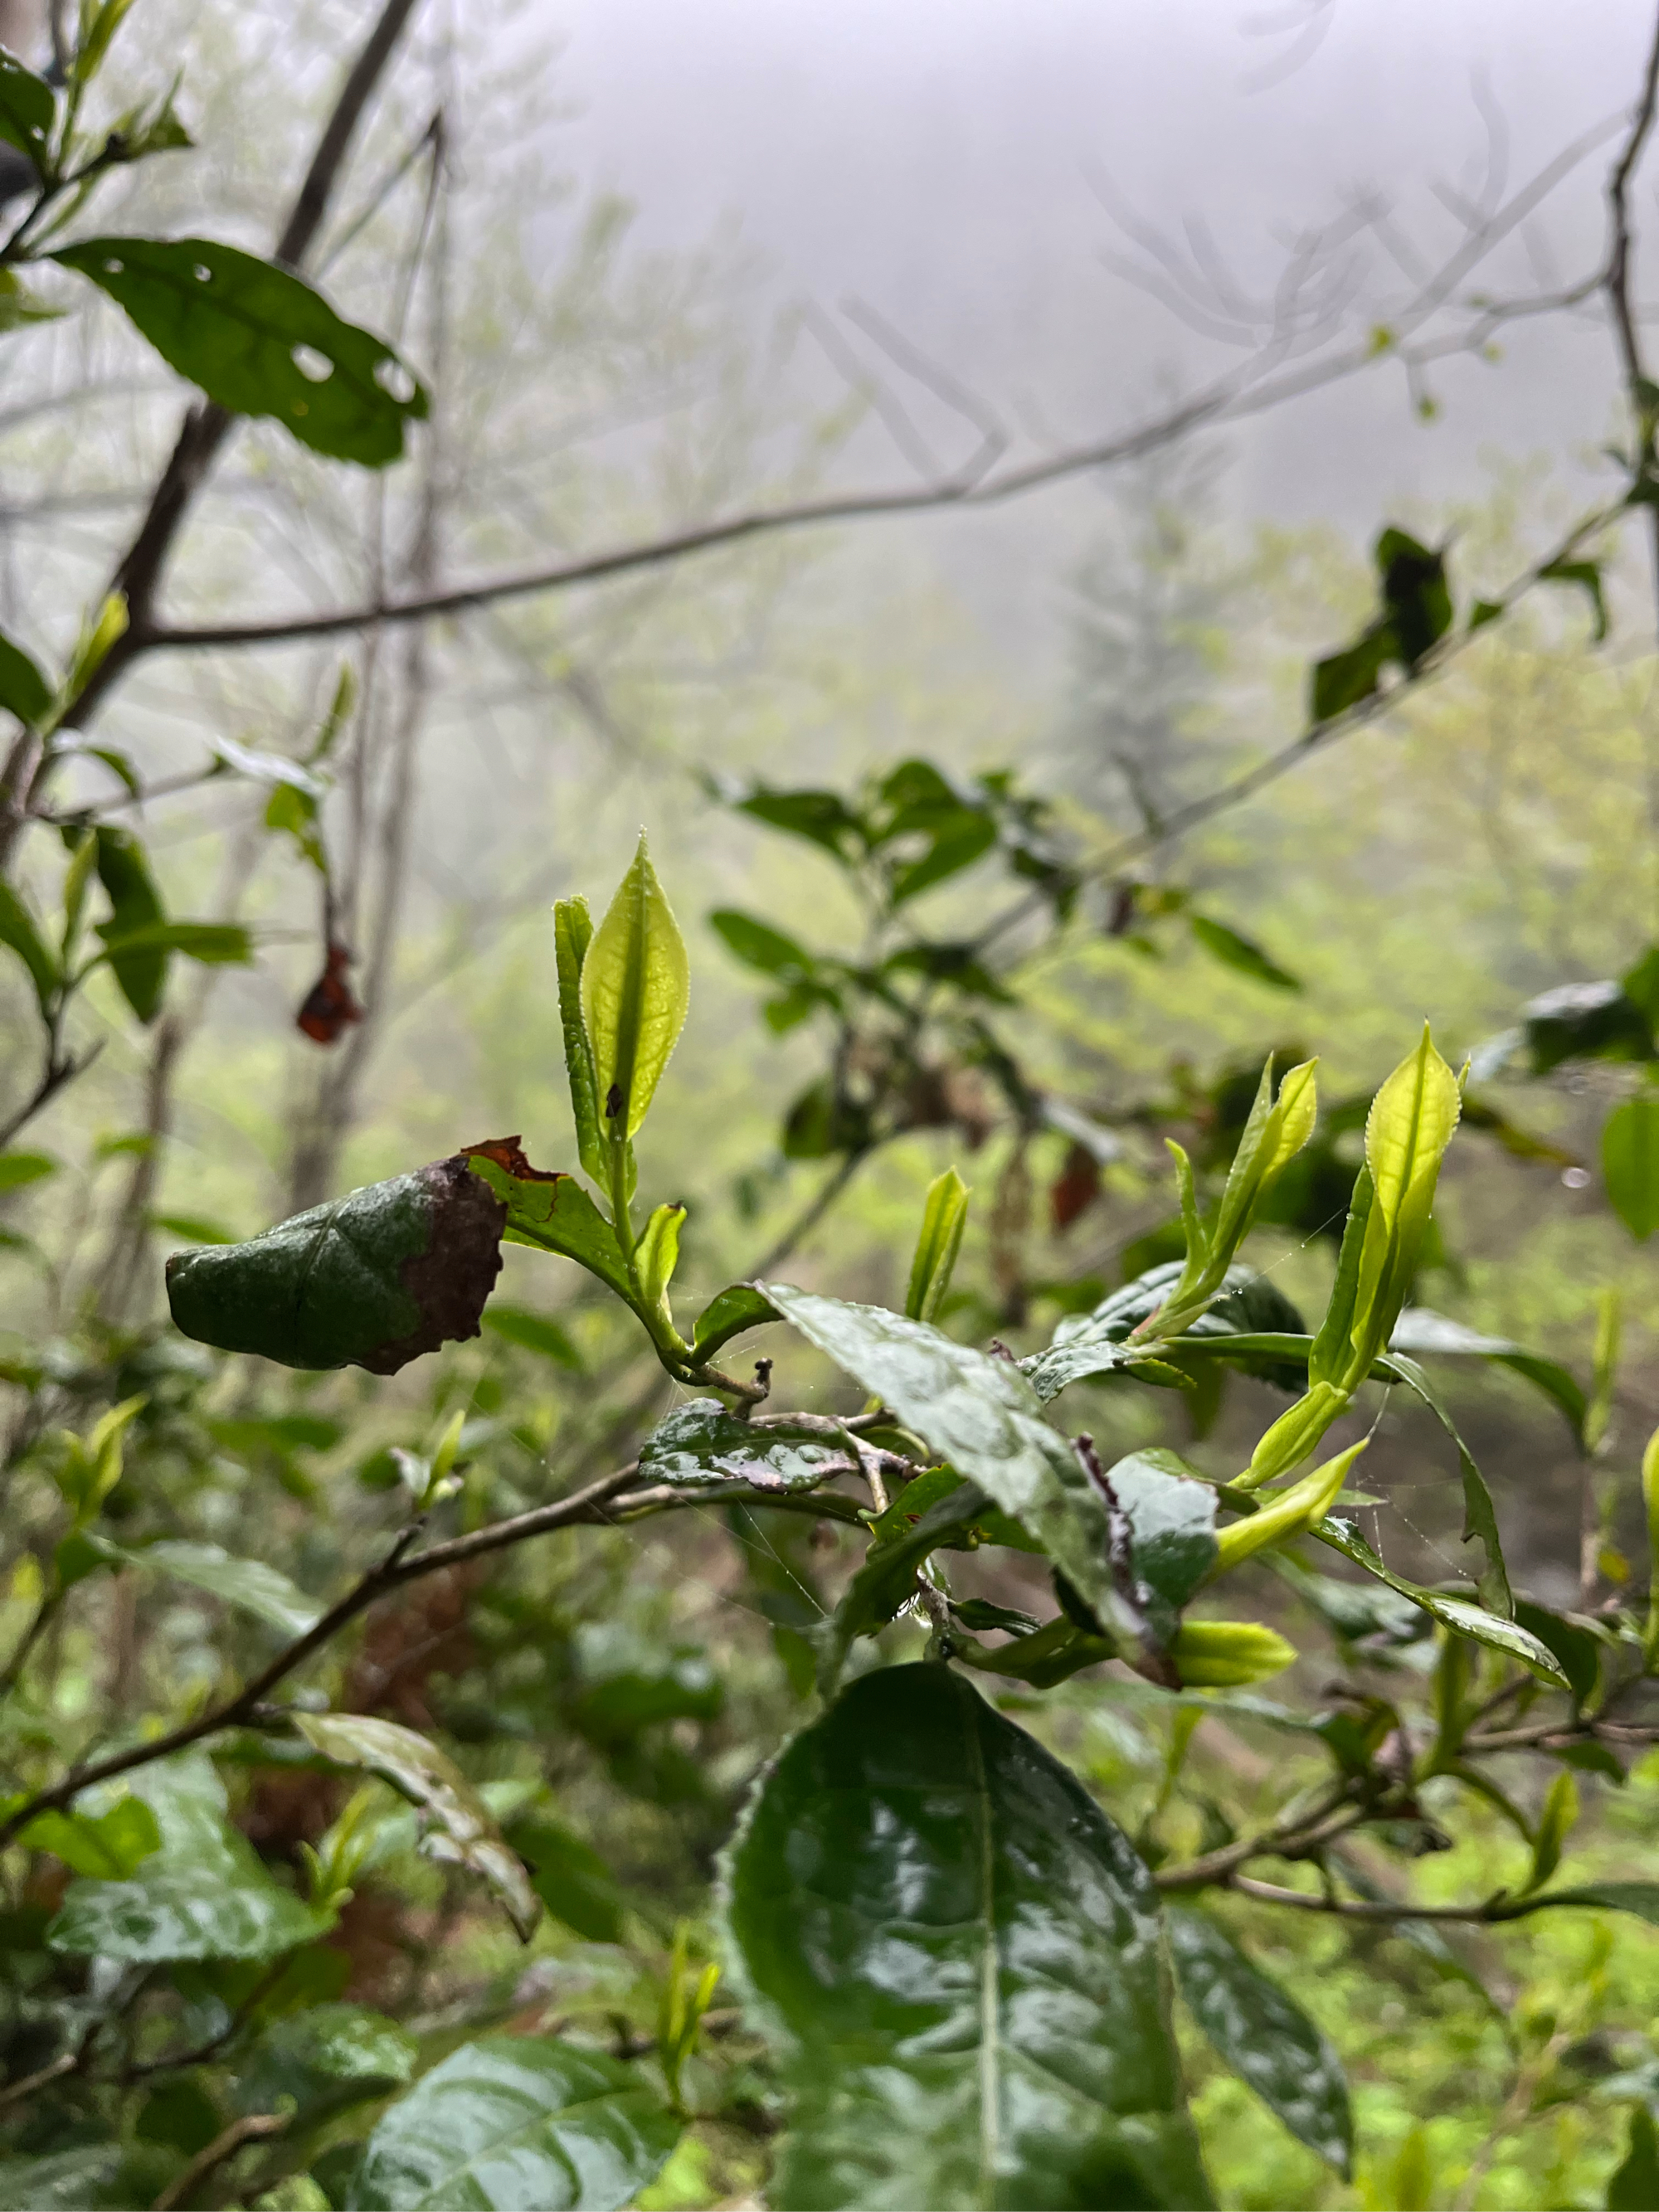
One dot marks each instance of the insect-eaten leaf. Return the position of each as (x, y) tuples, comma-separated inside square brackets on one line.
[(957, 1956), (548, 1210), (701, 1443), (258, 340), (373, 1279), (330, 1006), (456, 1824)]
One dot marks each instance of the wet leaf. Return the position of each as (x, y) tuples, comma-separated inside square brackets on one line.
[(373, 1279), (955, 1954), (700, 1442), (258, 340)]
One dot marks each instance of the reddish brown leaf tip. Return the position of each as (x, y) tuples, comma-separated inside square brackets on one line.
[(450, 1280), (330, 1003), (507, 1154)]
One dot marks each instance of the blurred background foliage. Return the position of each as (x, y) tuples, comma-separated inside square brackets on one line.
[(1492, 837)]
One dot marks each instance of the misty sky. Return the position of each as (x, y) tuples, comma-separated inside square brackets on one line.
[(943, 158)]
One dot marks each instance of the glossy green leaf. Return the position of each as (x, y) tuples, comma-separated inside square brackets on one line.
[(944, 1216), (1241, 953), (323, 2060), (28, 110), (1171, 1514), (1630, 1163), (636, 986), (549, 1210), (937, 1512), (570, 1878), (701, 1443), (822, 818), (373, 1279), (203, 1894), (1633, 2186), (572, 932), (1263, 2035), (18, 929), (106, 1846), (732, 1313), (258, 340), (23, 690), (981, 1415), (141, 970), (1457, 1614), (956, 1957), (248, 1584), (457, 1825), (1096, 1343), (512, 2122), (534, 1331), (1413, 1119)]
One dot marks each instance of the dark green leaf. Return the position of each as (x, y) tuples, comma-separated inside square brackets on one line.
[(1587, 575), (937, 1512), (572, 1880), (821, 816), (1414, 594), (1641, 1898), (956, 1954), (1242, 953), (23, 690), (1641, 986), (28, 110), (983, 1416), (240, 328), (700, 1442), (1263, 2035), (958, 966), (373, 1279), (1577, 1650), (1429, 1335), (135, 907), (458, 1827), (512, 2122), (549, 1210), (1097, 1343), (730, 1314), (18, 929), (1171, 1516), (323, 2061), (1634, 2187), (1342, 679), (757, 944), (534, 1331), (1630, 1163), (1455, 1613), (203, 1894), (1585, 1021), (626, 1684), (957, 842)]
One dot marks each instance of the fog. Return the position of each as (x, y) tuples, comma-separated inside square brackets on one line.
[(953, 165)]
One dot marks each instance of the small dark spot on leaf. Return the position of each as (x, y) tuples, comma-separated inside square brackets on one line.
[(613, 1102)]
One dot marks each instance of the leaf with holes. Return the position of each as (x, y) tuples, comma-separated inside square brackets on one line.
[(701, 1443), (956, 1957), (258, 340), (1263, 2035)]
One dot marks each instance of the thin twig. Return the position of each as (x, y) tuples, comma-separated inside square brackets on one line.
[(253, 2127)]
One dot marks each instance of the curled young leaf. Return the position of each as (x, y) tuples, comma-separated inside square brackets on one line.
[(943, 1218), (373, 1279)]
